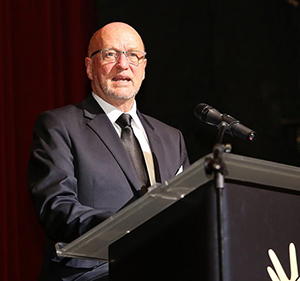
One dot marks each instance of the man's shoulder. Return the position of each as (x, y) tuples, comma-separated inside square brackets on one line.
[(66, 109), (157, 124), (67, 115), (89, 105), (74, 109)]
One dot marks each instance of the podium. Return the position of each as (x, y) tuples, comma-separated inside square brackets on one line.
[(183, 230)]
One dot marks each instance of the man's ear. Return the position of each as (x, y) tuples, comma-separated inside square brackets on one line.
[(89, 68)]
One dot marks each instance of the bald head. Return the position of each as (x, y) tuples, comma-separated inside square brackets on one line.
[(112, 32)]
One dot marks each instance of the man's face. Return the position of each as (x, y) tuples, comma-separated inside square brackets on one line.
[(119, 81)]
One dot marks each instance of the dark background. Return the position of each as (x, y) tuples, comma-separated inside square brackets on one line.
[(240, 56)]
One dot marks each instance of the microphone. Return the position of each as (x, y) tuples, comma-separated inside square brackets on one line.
[(211, 116)]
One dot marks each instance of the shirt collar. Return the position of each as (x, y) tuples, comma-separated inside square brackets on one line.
[(114, 113)]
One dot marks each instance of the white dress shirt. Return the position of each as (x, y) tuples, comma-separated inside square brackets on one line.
[(113, 114)]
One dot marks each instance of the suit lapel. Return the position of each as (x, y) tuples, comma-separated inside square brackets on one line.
[(157, 149), (101, 125)]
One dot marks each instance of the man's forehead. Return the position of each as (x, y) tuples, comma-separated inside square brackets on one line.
[(116, 35), (120, 38)]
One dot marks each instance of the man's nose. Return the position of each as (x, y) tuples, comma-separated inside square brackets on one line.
[(122, 62)]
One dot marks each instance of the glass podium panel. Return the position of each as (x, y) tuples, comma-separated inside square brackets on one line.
[(94, 244)]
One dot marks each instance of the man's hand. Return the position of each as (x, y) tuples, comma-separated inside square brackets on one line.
[(280, 275)]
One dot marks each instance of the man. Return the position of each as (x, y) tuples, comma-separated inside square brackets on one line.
[(80, 172)]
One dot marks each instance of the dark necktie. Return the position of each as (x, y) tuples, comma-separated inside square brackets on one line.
[(134, 150)]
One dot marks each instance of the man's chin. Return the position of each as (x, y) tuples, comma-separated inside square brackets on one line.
[(121, 96)]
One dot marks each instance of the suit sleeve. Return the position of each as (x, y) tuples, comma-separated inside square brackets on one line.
[(53, 184)]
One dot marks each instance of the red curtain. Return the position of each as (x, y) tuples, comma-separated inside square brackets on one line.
[(42, 50)]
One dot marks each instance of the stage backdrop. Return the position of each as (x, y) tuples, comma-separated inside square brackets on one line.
[(42, 50)]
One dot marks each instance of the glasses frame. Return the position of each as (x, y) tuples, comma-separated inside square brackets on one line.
[(119, 54)]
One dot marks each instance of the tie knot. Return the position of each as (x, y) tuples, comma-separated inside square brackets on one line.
[(124, 120)]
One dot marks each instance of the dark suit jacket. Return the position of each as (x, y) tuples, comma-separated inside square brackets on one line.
[(79, 173)]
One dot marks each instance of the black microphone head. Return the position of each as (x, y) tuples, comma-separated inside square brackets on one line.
[(208, 114), (201, 111)]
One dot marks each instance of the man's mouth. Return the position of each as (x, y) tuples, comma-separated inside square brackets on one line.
[(121, 78)]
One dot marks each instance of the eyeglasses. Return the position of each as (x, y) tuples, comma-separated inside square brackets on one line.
[(111, 55)]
